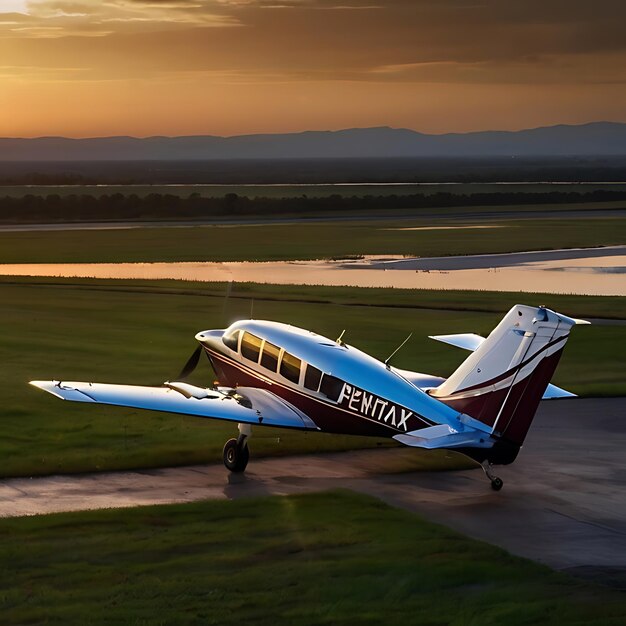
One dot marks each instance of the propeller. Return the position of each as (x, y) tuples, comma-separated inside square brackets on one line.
[(191, 364), (194, 359)]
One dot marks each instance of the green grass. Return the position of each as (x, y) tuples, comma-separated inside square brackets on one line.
[(142, 333), (330, 558), (304, 241)]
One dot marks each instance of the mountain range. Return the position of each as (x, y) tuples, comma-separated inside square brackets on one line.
[(596, 138)]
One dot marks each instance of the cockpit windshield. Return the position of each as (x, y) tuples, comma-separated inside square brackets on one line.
[(231, 339)]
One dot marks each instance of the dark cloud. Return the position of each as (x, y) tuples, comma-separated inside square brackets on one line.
[(377, 40)]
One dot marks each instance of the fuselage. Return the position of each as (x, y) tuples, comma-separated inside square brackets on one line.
[(342, 389)]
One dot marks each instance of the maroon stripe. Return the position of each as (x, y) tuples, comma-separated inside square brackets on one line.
[(511, 371), (329, 417), (518, 414), (516, 404)]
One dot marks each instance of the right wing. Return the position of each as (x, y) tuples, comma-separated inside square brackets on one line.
[(246, 405)]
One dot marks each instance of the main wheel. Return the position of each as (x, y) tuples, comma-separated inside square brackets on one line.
[(496, 484), (236, 456)]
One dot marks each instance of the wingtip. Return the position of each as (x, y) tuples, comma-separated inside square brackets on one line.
[(42, 384), (47, 385)]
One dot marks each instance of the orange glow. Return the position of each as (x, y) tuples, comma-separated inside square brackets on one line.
[(172, 67)]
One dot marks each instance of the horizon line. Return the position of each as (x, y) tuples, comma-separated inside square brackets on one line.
[(329, 131)]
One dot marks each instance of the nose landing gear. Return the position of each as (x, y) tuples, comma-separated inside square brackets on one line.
[(236, 451)]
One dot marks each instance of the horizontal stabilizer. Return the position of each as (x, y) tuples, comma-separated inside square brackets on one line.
[(443, 436), (553, 392), (245, 405), (467, 341)]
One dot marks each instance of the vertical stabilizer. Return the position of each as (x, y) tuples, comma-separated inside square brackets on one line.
[(503, 381)]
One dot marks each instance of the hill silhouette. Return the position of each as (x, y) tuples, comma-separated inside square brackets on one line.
[(596, 138)]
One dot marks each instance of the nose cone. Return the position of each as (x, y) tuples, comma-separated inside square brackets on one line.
[(210, 337)]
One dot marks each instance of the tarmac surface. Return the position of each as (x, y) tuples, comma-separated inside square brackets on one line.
[(563, 502)]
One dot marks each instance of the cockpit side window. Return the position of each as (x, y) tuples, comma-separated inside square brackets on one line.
[(290, 367), (312, 378), (251, 346), (331, 386), (269, 358), (231, 339)]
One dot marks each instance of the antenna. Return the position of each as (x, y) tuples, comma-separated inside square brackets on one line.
[(229, 288), (339, 339), (396, 350)]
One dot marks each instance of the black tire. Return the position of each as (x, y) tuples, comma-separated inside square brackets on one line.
[(236, 457), (497, 484)]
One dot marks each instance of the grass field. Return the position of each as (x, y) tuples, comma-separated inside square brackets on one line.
[(305, 240), (142, 333), (330, 558), (318, 191)]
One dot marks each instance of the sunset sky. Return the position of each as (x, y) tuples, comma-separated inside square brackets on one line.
[(177, 67)]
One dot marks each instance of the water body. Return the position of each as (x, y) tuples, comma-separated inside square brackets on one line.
[(538, 276), (486, 261)]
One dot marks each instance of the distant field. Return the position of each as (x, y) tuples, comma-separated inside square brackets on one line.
[(328, 558), (142, 333), (306, 240), (320, 190)]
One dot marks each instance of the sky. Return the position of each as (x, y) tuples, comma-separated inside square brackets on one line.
[(85, 68)]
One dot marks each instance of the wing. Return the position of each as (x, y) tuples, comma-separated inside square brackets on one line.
[(245, 405)]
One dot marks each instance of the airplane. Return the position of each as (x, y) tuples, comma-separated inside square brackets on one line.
[(274, 374)]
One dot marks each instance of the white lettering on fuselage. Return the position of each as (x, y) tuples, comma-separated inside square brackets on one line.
[(369, 405)]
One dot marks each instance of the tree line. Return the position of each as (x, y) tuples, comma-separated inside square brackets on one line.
[(76, 207)]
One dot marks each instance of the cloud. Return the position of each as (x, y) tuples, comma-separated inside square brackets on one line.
[(13, 6), (76, 18), (421, 41)]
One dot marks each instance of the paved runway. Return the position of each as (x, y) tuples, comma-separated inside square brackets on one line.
[(563, 502), (486, 261)]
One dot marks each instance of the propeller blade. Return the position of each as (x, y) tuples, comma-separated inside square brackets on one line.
[(191, 364)]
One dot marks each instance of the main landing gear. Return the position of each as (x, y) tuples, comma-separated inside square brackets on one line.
[(236, 451), (496, 482)]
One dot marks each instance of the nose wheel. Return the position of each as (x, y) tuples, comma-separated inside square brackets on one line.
[(496, 482)]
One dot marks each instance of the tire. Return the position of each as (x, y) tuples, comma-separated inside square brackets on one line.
[(497, 484), (235, 456)]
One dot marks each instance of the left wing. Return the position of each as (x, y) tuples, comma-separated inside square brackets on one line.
[(246, 405)]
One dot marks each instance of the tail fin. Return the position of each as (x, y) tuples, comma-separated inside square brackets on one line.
[(503, 381)]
